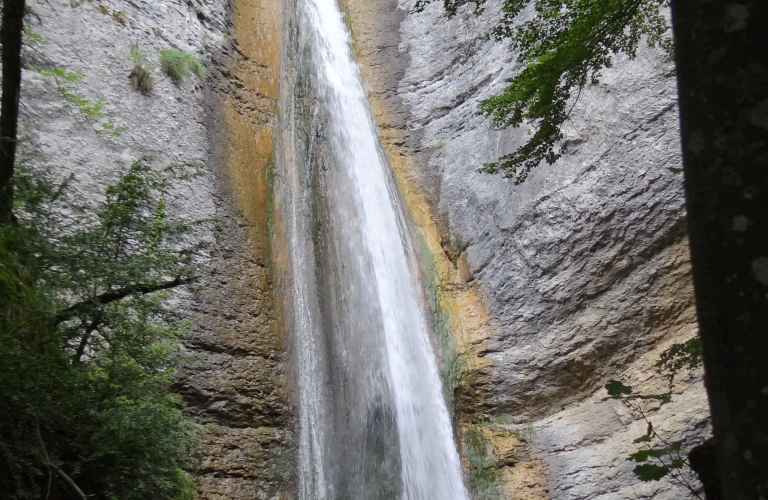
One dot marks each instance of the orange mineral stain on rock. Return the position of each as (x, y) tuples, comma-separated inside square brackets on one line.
[(250, 112), (248, 440)]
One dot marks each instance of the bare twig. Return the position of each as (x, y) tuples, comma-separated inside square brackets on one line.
[(50, 477), (55, 468)]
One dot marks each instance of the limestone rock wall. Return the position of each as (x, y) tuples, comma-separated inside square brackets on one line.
[(540, 292), (576, 277), (235, 385)]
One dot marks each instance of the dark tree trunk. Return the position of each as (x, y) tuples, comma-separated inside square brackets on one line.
[(13, 19), (722, 63), (703, 460)]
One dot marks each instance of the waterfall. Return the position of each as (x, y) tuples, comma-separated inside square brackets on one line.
[(373, 419)]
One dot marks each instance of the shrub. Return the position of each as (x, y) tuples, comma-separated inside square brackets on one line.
[(119, 16), (455, 365), (177, 64), (458, 246), (141, 79), (88, 339), (141, 74)]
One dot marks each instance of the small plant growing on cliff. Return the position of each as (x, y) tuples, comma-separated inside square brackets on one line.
[(526, 432), (458, 246), (141, 79), (501, 419), (482, 471), (455, 365), (141, 74), (659, 457), (119, 16), (178, 65)]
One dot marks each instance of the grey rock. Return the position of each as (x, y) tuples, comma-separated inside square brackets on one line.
[(584, 267), (234, 384)]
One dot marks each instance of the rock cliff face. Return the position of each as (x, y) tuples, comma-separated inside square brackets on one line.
[(541, 293), (578, 276), (235, 384)]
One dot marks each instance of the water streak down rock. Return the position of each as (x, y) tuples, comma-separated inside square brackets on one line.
[(373, 419)]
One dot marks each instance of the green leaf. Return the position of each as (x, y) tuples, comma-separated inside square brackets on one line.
[(616, 389), (108, 408), (63, 74), (109, 128), (675, 170), (650, 472), (640, 456), (679, 356), (31, 34), (643, 455), (642, 439), (177, 64)]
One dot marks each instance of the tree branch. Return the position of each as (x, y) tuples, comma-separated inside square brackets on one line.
[(114, 295), (55, 468), (88, 331)]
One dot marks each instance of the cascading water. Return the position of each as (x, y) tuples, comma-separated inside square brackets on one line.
[(373, 419)]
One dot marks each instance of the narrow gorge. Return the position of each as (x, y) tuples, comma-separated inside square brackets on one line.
[(381, 320)]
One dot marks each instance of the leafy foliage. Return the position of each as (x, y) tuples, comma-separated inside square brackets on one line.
[(31, 36), (562, 48), (616, 389), (526, 433), (643, 455), (457, 247), (650, 472), (177, 64), (455, 366), (117, 15), (90, 110), (142, 80), (87, 339), (679, 356)]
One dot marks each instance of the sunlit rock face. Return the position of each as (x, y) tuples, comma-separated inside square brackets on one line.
[(235, 384), (583, 271)]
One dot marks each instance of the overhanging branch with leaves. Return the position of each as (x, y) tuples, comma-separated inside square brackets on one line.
[(561, 49)]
